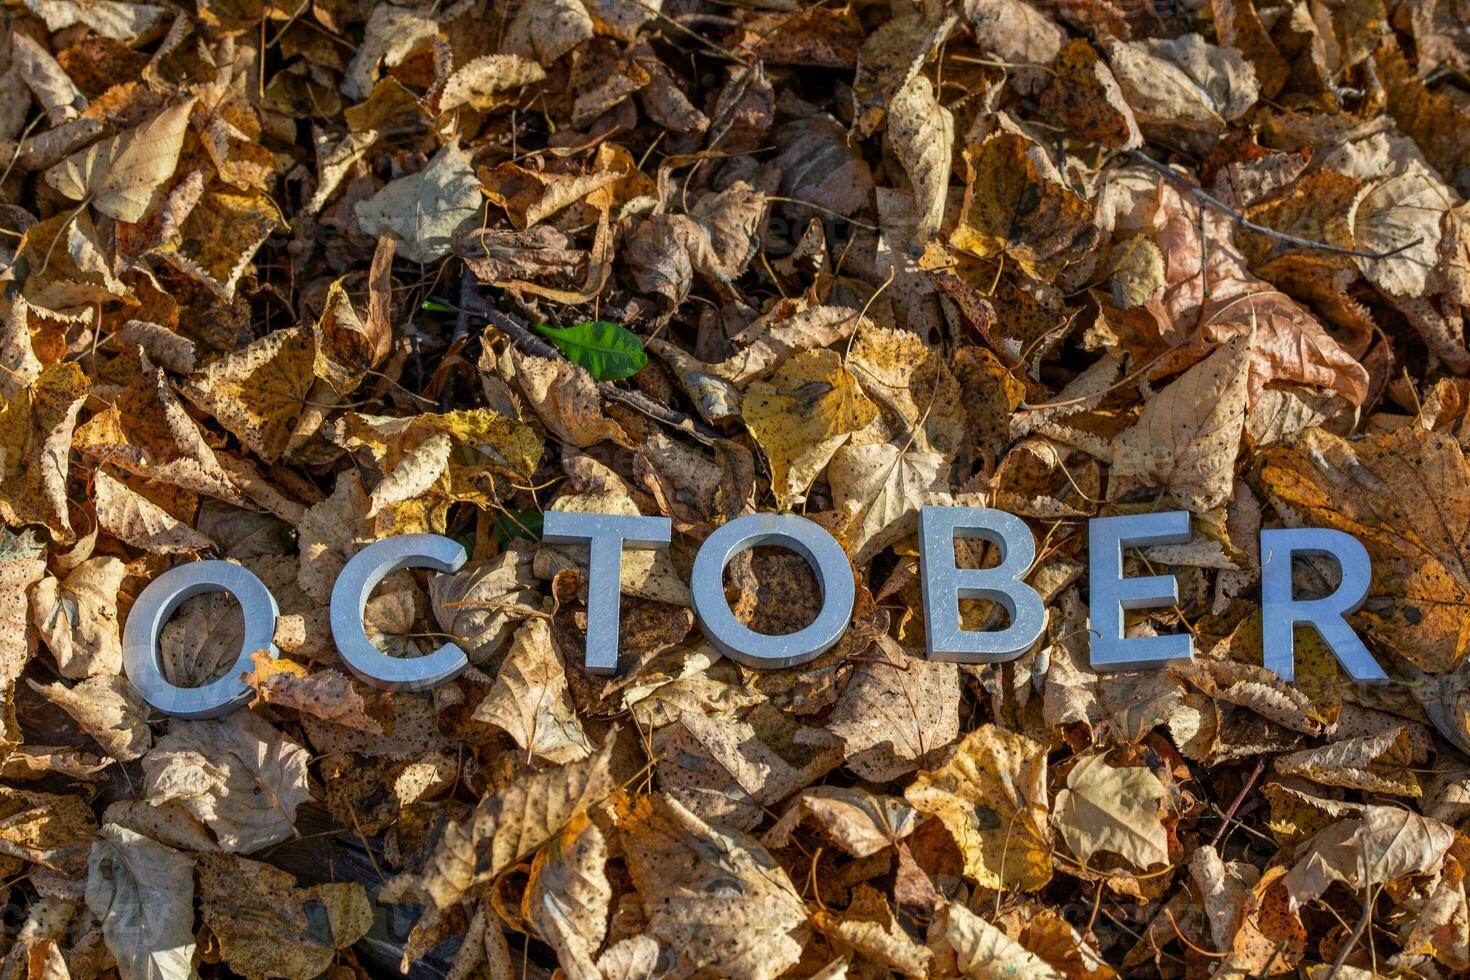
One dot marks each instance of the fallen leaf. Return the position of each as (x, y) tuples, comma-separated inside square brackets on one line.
[(991, 796), (239, 775), (108, 709), (530, 701), (506, 827), (130, 517), (143, 895), (77, 617), (983, 952), (266, 926), (1114, 809), (714, 897), (1187, 436), (36, 427), (569, 894), (426, 209), (802, 416), (1014, 207), (883, 487), (123, 176)]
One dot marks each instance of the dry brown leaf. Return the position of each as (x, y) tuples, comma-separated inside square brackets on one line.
[(1187, 437), (266, 926), (530, 701), (36, 426), (880, 490), (142, 893), (1115, 809), (568, 896), (240, 775), (506, 827), (132, 518), (77, 617), (714, 897), (325, 694), (124, 176), (854, 819), (426, 209), (108, 709), (983, 952), (896, 713)]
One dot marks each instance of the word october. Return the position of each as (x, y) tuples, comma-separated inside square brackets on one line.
[(944, 585)]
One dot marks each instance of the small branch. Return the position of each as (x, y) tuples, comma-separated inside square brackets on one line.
[(1239, 799), (1204, 197), (526, 340)]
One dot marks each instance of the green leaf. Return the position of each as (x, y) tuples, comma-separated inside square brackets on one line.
[(607, 351), (434, 307), (518, 524)]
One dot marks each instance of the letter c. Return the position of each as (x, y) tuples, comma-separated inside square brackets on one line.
[(349, 598)]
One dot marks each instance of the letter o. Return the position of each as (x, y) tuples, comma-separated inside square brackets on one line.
[(733, 638), (349, 598), (151, 613)]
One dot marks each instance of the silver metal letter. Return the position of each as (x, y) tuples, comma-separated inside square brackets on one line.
[(606, 535), (151, 612), (1110, 593), (945, 585), (733, 638), (349, 598), (1281, 614)]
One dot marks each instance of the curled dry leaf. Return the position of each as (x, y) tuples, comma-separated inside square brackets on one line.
[(108, 709), (530, 700)]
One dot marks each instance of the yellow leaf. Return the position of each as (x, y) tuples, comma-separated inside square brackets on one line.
[(991, 797), (1014, 207), (807, 410), (259, 393), (221, 235), (35, 446)]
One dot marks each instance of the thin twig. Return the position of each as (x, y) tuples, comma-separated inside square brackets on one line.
[(523, 338), (1239, 799), (1205, 197)]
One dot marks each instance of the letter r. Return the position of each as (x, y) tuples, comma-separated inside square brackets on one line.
[(1281, 613)]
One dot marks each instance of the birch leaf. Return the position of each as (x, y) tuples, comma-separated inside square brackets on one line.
[(124, 176)]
